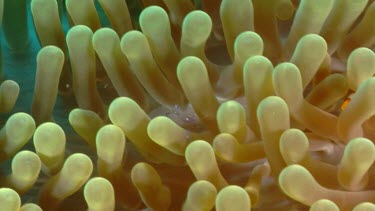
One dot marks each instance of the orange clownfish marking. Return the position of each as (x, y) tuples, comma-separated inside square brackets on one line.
[(346, 102)]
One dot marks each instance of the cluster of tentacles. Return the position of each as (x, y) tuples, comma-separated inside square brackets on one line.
[(193, 105)]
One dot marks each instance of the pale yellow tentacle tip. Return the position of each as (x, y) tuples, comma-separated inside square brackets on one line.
[(49, 141), (233, 198), (15, 134), (30, 207), (99, 195), (365, 206), (200, 196), (110, 143), (9, 199), (196, 28), (201, 159), (324, 204), (9, 91), (149, 185), (26, 166), (358, 157)]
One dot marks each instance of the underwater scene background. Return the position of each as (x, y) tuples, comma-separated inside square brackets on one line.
[(187, 105)]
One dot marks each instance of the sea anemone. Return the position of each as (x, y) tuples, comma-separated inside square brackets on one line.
[(187, 105)]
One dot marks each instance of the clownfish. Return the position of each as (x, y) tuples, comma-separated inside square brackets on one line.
[(346, 102)]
